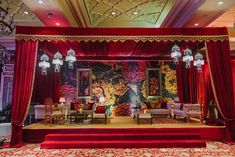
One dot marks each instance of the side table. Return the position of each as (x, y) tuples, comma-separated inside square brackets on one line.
[(141, 115)]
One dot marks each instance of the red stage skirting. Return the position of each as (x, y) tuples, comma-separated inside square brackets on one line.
[(38, 135), (123, 140)]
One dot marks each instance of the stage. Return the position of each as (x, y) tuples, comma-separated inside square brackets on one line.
[(36, 132)]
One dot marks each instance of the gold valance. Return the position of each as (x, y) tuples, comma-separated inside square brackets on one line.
[(122, 38)]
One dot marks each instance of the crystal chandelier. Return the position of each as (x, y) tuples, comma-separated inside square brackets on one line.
[(175, 53), (44, 64), (187, 58), (6, 23), (70, 58), (57, 61), (198, 61)]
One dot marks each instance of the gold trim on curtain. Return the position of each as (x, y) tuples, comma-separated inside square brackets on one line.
[(121, 38)]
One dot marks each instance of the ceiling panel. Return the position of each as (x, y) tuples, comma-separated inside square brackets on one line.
[(208, 12), (127, 13)]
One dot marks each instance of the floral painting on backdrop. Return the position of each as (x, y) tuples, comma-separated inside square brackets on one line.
[(122, 84)]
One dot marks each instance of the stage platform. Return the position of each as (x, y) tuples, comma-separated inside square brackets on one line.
[(36, 132)]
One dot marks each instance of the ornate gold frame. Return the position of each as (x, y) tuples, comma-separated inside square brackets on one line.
[(159, 84)]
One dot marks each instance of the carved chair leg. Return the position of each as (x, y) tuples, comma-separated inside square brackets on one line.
[(188, 119)]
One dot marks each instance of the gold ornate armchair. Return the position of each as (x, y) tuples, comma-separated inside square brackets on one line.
[(52, 113)]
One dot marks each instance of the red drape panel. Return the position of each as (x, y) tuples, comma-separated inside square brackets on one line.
[(205, 93), (193, 85), (233, 68), (187, 83), (179, 80), (46, 85), (25, 59), (221, 76), (101, 50), (187, 78), (128, 48)]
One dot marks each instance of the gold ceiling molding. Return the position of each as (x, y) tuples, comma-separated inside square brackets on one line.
[(121, 38), (128, 13)]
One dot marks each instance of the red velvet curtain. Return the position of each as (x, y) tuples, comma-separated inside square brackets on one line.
[(233, 68), (187, 83), (221, 75), (188, 78), (204, 91), (25, 59), (101, 50), (46, 85)]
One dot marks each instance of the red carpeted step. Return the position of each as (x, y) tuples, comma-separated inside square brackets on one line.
[(124, 144), (116, 136)]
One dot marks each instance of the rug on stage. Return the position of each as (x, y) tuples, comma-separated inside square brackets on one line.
[(213, 149), (164, 120)]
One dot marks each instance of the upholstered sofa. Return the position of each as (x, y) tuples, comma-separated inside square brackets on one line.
[(187, 111), (165, 109), (161, 111)]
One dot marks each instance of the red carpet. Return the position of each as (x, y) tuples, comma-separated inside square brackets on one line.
[(123, 140)]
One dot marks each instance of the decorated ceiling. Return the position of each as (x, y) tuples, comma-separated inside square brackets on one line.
[(134, 13), (123, 13)]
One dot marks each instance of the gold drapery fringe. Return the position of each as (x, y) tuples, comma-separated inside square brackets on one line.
[(121, 38)]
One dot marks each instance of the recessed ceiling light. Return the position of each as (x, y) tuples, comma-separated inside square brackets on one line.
[(26, 12), (113, 13), (40, 1), (135, 13), (220, 2), (196, 24), (57, 23)]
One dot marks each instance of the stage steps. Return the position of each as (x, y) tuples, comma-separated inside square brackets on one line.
[(123, 140)]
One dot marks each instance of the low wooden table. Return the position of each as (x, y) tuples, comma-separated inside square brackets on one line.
[(142, 115), (78, 116)]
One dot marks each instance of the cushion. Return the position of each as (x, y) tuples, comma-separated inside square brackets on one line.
[(164, 105), (181, 106), (100, 109), (72, 106), (88, 106), (77, 106), (148, 105), (155, 105)]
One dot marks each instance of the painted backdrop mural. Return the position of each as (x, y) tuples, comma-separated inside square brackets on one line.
[(121, 84)]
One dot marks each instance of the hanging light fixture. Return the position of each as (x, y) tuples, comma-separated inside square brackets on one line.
[(187, 58), (44, 64), (198, 61), (70, 58), (57, 61), (6, 21), (175, 53)]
